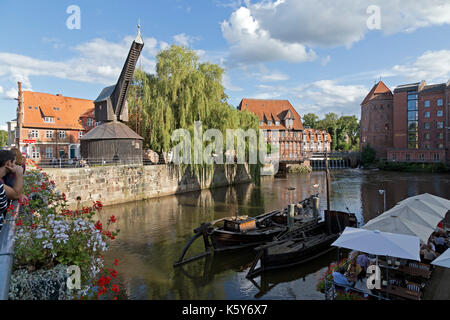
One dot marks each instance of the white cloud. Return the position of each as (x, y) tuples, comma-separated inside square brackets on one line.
[(432, 66), (11, 94), (252, 44), (229, 85), (326, 60), (184, 40), (270, 30), (329, 96), (1, 90), (96, 61), (4, 127)]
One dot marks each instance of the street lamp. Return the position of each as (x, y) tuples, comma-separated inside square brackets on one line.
[(383, 192)]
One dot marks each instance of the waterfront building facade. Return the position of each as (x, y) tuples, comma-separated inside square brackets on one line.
[(295, 143), (50, 125), (416, 122)]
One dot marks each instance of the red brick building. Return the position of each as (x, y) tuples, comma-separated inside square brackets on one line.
[(51, 125), (294, 141), (377, 120), (419, 122)]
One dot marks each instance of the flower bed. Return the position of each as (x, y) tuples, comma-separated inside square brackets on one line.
[(50, 236)]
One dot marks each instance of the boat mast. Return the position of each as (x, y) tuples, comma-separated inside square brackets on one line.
[(328, 181)]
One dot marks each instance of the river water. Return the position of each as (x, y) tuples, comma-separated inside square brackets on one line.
[(154, 232)]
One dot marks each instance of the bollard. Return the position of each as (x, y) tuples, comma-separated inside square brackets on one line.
[(291, 215), (316, 207)]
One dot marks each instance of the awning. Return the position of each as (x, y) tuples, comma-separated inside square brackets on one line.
[(380, 243), (443, 260)]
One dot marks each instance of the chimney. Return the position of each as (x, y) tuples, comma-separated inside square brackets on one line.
[(19, 113)]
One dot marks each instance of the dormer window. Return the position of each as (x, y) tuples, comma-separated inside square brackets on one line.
[(269, 123), (49, 120), (277, 123), (90, 122), (261, 123)]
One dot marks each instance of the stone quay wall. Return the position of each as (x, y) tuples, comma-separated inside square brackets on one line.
[(120, 184)]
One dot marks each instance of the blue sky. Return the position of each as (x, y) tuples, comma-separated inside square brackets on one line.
[(321, 55)]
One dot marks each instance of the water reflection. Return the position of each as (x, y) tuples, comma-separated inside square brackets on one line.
[(154, 232)]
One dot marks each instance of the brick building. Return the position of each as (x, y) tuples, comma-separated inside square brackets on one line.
[(294, 141), (51, 125), (419, 122), (376, 120)]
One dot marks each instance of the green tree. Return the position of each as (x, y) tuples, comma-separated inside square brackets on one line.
[(310, 120), (3, 139), (182, 91), (368, 155), (329, 123)]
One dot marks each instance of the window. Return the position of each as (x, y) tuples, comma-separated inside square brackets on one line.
[(36, 153), (440, 102), (440, 146), (49, 120), (62, 134), (49, 153), (440, 113), (440, 135), (421, 157), (436, 157), (440, 125), (427, 103), (408, 157), (261, 123), (413, 118), (49, 134), (427, 126), (269, 123), (427, 146), (277, 123), (90, 122), (427, 114), (34, 134), (282, 134), (394, 157), (427, 136), (80, 134)]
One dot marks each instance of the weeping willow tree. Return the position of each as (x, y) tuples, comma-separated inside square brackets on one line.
[(182, 91)]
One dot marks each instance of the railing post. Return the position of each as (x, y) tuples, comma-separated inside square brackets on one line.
[(7, 234)]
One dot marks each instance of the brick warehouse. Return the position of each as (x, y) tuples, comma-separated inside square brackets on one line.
[(409, 125)]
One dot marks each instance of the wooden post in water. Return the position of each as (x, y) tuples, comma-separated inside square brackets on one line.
[(291, 215)]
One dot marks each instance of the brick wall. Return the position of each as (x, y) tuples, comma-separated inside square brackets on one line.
[(121, 184)]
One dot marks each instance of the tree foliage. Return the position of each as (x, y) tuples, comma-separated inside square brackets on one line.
[(182, 91), (344, 130), (368, 155), (3, 138)]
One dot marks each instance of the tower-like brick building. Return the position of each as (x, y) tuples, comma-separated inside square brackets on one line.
[(416, 122)]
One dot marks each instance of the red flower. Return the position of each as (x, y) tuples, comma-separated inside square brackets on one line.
[(113, 273), (33, 226), (19, 223), (98, 226), (113, 219), (116, 262), (64, 196), (98, 205), (86, 210), (10, 208), (115, 288)]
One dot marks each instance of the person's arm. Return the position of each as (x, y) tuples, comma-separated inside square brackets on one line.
[(15, 193)]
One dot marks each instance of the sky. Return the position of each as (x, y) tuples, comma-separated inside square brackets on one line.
[(322, 55)]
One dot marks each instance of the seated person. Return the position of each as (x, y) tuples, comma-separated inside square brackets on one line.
[(363, 262), (354, 270), (340, 279), (8, 166), (441, 246), (428, 255)]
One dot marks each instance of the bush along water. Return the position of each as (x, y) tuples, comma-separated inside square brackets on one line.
[(49, 237), (300, 169)]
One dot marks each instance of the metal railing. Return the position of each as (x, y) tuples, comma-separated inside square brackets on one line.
[(330, 291), (83, 163), (7, 233)]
